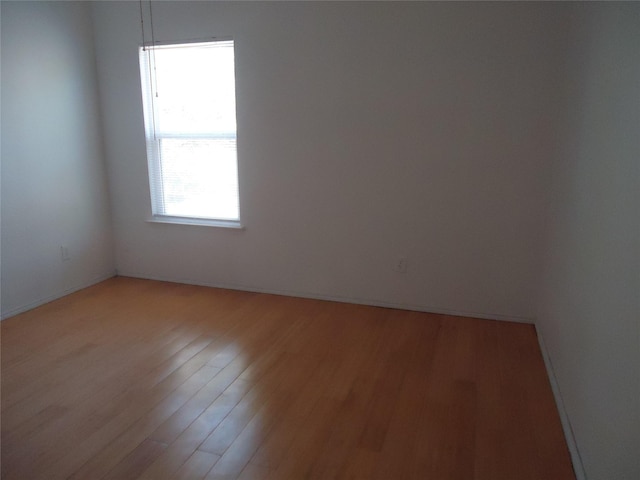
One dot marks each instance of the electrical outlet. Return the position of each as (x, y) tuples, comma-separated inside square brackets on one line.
[(401, 265), (64, 254)]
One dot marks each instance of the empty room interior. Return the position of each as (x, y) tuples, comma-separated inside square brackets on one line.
[(381, 240)]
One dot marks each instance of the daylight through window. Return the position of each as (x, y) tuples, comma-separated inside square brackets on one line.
[(190, 122)]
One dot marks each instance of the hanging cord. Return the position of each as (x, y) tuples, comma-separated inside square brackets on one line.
[(142, 25), (153, 43), (151, 63)]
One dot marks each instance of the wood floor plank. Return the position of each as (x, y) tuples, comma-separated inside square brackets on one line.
[(493, 425), (185, 415), (447, 426), (138, 379), (197, 466), (103, 411), (186, 444), (254, 472), (126, 440), (377, 384), (136, 462), (274, 398), (277, 443)]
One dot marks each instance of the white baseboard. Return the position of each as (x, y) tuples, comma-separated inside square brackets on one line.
[(576, 460), (55, 296), (335, 298)]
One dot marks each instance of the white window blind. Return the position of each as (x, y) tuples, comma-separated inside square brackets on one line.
[(190, 123)]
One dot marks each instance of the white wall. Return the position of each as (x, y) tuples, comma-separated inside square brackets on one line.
[(53, 177), (589, 312), (366, 132)]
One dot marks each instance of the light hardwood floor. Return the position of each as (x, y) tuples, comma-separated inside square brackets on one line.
[(141, 379)]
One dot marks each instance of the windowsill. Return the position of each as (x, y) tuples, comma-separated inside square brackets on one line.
[(202, 222)]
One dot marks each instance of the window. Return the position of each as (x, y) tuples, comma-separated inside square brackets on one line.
[(189, 103)]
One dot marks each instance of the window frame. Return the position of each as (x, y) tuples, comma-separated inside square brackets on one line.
[(153, 138)]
